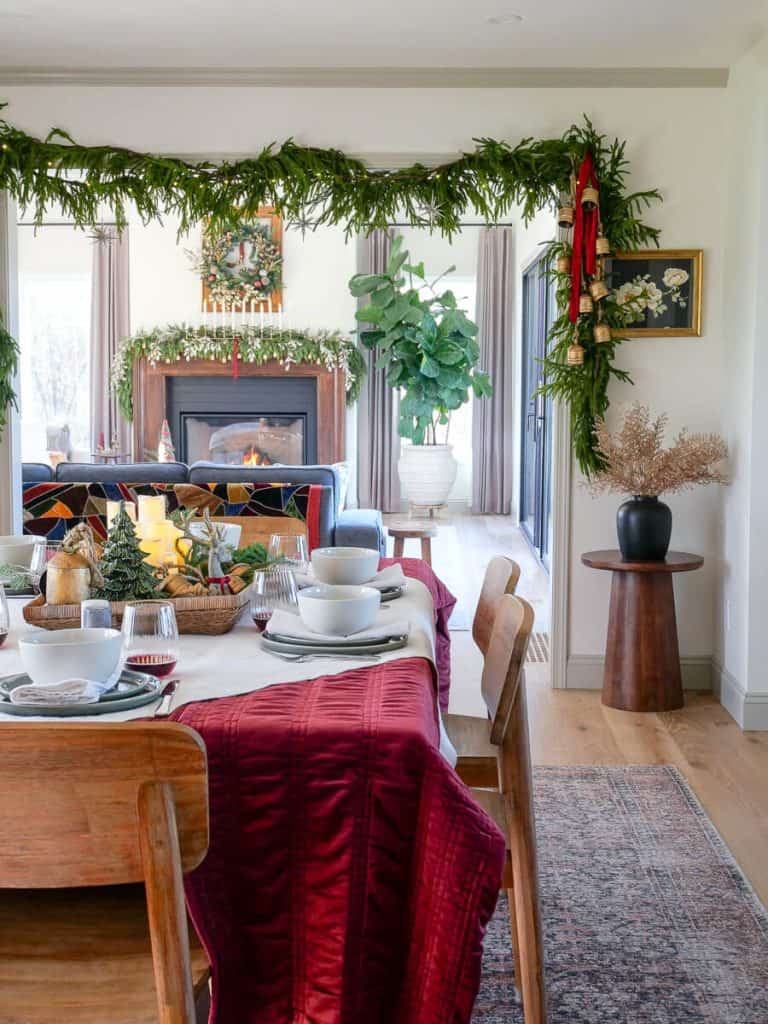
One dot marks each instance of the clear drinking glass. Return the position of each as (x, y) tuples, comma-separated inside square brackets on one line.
[(151, 637), (290, 548), (4, 620), (272, 588), (38, 563)]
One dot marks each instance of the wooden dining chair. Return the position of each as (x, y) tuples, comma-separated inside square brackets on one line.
[(494, 761), (500, 578), (88, 812)]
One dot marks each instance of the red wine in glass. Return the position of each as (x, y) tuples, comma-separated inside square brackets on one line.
[(260, 620), (159, 665), (3, 635)]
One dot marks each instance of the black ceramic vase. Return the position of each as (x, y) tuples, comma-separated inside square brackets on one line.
[(644, 526)]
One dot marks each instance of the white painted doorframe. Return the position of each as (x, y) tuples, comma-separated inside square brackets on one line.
[(10, 446)]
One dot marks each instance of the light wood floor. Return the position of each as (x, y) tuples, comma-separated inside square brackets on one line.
[(726, 768)]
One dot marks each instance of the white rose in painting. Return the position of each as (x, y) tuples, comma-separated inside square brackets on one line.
[(675, 277), (653, 297)]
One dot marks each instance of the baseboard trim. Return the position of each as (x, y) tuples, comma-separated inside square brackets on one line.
[(585, 672), (748, 710)]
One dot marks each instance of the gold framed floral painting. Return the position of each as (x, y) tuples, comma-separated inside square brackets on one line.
[(660, 291)]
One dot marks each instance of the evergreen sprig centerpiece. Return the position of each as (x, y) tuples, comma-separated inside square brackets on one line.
[(127, 577)]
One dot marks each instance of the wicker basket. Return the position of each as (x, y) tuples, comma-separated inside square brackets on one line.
[(210, 616)]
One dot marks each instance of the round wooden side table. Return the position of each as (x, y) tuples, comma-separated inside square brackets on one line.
[(642, 660), (404, 529)]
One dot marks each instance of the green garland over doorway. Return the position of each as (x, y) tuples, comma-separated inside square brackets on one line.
[(312, 187)]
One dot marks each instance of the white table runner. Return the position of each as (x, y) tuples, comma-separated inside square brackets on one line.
[(236, 663)]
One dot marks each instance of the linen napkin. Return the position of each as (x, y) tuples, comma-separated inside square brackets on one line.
[(67, 691), (384, 579), (286, 624)]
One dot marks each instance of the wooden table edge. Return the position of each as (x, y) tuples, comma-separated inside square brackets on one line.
[(677, 561)]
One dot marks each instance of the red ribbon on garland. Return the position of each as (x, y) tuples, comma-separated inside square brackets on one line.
[(584, 235), (235, 357)]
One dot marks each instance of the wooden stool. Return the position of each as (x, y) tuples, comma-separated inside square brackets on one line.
[(403, 529)]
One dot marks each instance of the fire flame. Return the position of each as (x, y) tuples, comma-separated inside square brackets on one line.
[(253, 457)]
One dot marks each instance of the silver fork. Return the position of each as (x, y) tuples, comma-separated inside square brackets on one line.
[(166, 698)]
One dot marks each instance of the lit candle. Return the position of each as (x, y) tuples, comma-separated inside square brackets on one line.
[(280, 317), (152, 508), (261, 319), (113, 507)]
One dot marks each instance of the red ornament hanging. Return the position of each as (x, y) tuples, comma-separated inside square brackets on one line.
[(584, 233)]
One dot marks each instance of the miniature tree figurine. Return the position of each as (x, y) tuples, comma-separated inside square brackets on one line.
[(127, 577)]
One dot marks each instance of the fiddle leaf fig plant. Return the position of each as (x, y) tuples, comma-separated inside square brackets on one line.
[(427, 344)]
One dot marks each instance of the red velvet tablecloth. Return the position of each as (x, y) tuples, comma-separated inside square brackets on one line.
[(350, 875)]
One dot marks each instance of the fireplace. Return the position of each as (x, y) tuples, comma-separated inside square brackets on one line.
[(257, 421), (265, 414)]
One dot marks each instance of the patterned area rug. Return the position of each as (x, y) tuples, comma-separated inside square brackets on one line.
[(648, 919)]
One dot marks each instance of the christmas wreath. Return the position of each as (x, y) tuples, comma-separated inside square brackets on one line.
[(242, 264)]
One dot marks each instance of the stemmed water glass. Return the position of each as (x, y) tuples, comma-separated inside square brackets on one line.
[(272, 588), (291, 549), (4, 619), (151, 637)]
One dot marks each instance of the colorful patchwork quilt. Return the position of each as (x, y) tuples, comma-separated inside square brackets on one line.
[(51, 509)]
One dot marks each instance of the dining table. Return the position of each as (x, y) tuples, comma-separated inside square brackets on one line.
[(350, 873)]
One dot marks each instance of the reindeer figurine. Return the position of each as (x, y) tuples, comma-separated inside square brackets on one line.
[(213, 539)]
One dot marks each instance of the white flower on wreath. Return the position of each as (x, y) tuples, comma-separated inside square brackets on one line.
[(675, 277)]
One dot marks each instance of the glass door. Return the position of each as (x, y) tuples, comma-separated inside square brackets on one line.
[(536, 454)]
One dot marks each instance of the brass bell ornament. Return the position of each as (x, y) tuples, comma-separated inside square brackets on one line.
[(601, 333), (598, 289), (590, 198), (586, 305), (575, 355), (565, 217)]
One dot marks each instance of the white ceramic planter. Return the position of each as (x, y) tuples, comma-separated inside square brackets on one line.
[(427, 473)]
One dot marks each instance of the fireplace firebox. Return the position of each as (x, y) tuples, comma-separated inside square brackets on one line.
[(256, 421)]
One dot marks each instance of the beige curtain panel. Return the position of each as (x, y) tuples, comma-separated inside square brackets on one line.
[(378, 485), (110, 322), (492, 418)]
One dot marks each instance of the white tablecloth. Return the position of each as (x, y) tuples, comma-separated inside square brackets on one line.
[(236, 663)]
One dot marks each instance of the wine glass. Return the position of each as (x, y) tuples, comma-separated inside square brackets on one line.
[(290, 548), (151, 637), (4, 620), (272, 588)]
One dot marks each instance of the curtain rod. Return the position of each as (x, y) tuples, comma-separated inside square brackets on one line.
[(65, 224), (464, 224)]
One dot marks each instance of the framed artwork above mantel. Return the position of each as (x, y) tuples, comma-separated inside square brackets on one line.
[(661, 289), (241, 268)]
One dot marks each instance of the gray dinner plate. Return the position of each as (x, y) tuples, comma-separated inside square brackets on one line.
[(285, 646), (133, 690)]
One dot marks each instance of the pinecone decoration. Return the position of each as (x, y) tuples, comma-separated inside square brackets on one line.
[(127, 577)]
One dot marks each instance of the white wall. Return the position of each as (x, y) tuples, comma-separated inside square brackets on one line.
[(674, 138), (742, 639)]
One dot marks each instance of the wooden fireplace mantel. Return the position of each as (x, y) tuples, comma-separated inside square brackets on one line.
[(150, 399)]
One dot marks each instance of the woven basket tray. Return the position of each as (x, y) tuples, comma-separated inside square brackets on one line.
[(211, 616)]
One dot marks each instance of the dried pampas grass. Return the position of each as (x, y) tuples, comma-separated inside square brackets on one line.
[(636, 461)]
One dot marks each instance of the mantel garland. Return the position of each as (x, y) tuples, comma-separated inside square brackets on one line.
[(246, 344), (314, 187)]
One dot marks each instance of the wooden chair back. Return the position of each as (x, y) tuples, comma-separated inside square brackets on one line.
[(500, 578), (504, 660), (92, 805), (69, 796)]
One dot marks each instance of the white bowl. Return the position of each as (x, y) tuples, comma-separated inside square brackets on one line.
[(71, 654), (18, 550), (345, 566), (338, 611)]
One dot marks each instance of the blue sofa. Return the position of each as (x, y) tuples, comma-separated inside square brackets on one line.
[(342, 527)]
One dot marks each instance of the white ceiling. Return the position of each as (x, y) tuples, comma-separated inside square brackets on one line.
[(359, 33)]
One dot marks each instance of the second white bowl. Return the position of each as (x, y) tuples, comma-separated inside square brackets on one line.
[(338, 611), (345, 566), (71, 654)]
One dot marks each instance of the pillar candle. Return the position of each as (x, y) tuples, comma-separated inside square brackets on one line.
[(151, 508)]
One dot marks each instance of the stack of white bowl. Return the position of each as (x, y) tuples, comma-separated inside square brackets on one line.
[(340, 605)]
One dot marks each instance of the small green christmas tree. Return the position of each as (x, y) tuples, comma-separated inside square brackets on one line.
[(127, 577)]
